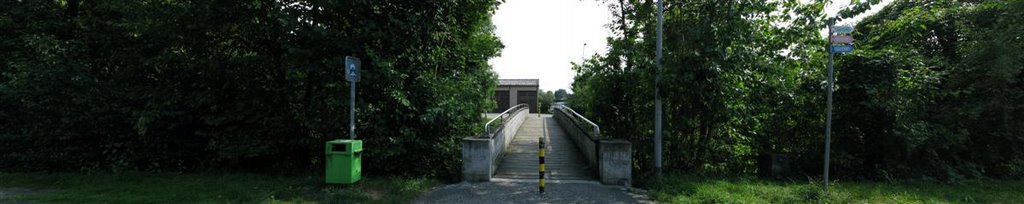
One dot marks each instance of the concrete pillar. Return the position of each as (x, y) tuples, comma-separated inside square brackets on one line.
[(513, 96), (476, 159), (616, 161)]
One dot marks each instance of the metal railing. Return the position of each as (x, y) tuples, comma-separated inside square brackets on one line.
[(503, 117), (576, 118)]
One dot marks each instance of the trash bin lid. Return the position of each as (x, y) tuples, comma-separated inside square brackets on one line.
[(344, 146)]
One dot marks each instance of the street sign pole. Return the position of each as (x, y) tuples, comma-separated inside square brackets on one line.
[(828, 113), (352, 111), (352, 75), (836, 44), (657, 98)]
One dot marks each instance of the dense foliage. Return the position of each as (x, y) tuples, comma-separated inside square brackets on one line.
[(933, 89), (544, 100), (561, 95), (185, 85)]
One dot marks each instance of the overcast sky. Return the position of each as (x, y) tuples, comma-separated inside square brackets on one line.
[(542, 37)]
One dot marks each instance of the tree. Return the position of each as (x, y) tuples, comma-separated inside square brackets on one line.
[(169, 85), (930, 92), (546, 99), (721, 82), (561, 95), (909, 108)]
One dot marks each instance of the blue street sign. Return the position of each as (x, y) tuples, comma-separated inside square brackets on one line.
[(351, 69), (841, 48)]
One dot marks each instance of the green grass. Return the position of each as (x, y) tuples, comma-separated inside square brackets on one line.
[(688, 189), (206, 188)]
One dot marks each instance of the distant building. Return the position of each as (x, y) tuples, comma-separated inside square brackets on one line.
[(511, 92)]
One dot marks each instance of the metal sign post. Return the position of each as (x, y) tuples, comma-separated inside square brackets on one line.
[(657, 97), (352, 75), (837, 44)]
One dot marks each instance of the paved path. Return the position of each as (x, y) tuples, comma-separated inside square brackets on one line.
[(525, 191), (562, 159)]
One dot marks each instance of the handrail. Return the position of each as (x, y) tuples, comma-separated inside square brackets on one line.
[(502, 116), (596, 128)]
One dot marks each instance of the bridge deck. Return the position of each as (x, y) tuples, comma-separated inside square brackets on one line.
[(562, 159)]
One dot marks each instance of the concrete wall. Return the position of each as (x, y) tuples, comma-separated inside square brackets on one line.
[(583, 142), (616, 162), (504, 137), (613, 158), (480, 154), (477, 161)]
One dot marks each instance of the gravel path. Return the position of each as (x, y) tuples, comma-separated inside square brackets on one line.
[(525, 191)]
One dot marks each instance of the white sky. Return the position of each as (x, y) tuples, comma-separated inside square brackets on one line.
[(542, 37), (834, 8)]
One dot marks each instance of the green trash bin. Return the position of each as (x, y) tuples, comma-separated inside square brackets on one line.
[(344, 161)]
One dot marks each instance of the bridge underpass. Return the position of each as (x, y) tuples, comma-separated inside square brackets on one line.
[(574, 149)]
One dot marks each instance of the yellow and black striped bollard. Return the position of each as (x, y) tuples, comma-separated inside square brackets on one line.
[(542, 165)]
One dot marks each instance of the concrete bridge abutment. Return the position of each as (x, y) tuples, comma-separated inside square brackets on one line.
[(575, 150)]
